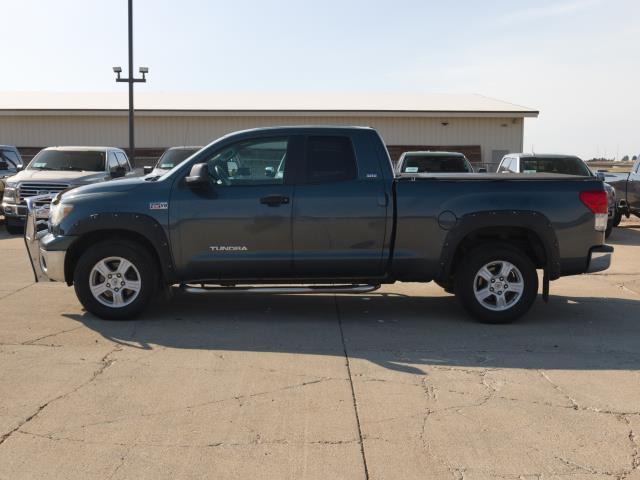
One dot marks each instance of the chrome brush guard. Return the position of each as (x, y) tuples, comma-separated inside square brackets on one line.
[(35, 228)]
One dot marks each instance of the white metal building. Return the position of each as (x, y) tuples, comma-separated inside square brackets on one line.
[(482, 128)]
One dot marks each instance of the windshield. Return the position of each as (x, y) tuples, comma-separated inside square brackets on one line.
[(171, 158), (68, 160), (435, 163), (565, 165)]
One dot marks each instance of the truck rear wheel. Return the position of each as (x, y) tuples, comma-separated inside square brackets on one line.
[(496, 283), (115, 279)]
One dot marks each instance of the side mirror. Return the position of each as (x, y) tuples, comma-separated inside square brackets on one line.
[(19, 168), (270, 172), (601, 176), (118, 172), (199, 175), (147, 169), (482, 170)]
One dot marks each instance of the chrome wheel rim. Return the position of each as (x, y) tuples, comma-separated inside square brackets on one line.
[(115, 282), (498, 286)]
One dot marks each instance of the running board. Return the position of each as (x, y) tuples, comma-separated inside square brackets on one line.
[(283, 290)]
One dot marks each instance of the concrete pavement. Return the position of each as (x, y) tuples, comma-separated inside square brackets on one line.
[(396, 384)]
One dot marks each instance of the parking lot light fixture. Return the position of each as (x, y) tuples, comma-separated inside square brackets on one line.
[(131, 80)]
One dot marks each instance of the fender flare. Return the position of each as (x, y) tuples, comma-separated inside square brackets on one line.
[(534, 222), (132, 223)]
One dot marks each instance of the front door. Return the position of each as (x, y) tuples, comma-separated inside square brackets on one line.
[(239, 225)]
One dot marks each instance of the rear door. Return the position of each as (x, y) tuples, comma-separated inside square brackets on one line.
[(340, 209), (239, 225)]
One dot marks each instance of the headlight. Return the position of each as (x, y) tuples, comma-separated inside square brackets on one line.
[(9, 195), (58, 212)]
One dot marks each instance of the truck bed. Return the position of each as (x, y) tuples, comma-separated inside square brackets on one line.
[(517, 177)]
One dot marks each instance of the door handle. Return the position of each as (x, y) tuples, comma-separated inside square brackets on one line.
[(274, 200)]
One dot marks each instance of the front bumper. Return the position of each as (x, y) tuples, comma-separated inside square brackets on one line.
[(599, 258), (14, 214), (47, 264)]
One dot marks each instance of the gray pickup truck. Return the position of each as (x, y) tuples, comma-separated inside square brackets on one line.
[(55, 169), (627, 187), (337, 220)]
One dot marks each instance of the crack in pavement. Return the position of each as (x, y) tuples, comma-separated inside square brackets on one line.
[(574, 403), (32, 341), (257, 440), (353, 391), (238, 398), (105, 362), (52, 345), (16, 291)]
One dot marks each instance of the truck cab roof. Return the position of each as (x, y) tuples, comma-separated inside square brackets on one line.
[(68, 148)]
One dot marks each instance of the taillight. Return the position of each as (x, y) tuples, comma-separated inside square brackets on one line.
[(595, 200)]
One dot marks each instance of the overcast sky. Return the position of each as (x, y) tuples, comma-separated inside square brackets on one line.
[(577, 61)]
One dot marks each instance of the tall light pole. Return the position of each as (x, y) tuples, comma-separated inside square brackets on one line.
[(131, 80)]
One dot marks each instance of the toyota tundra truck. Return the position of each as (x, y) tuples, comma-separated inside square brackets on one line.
[(337, 220)]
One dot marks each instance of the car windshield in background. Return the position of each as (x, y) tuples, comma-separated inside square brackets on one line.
[(70, 160), (171, 158), (435, 164), (567, 166)]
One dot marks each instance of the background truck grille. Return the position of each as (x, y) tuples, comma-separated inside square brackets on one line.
[(29, 189)]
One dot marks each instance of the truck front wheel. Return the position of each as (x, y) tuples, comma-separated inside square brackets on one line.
[(496, 283), (115, 279), (14, 229)]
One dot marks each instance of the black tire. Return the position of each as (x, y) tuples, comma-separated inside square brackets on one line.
[(134, 253), (14, 229), (481, 256), (447, 286), (607, 232), (617, 218)]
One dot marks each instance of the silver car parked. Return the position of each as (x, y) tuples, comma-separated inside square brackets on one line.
[(55, 169)]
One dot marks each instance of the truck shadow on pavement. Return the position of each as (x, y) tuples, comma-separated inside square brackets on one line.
[(394, 331)]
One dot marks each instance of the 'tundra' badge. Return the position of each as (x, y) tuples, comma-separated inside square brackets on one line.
[(159, 206)]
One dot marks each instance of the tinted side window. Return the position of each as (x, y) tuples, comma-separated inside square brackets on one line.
[(112, 161), (122, 160), (329, 159)]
